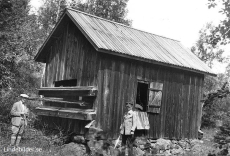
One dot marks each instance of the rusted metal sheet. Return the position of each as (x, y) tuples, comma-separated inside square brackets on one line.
[(122, 39)]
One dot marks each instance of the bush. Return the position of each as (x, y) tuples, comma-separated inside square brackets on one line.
[(24, 81), (216, 106), (214, 111), (224, 131)]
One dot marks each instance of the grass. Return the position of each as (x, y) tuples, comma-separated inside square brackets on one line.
[(206, 145), (46, 145), (34, 142)]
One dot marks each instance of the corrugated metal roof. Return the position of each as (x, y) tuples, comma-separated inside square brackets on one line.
[(119, 38)]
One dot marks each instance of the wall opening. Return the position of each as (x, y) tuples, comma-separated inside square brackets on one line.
[(65, 83), (142, 95)]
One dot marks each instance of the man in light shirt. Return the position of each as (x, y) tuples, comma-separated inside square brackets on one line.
[(128, 126), (19, 114)]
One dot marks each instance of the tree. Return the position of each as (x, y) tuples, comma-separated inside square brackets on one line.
[(216, 105), (205, 49), (19, 41), (114, 10), (222, 31), (12, 16), (49, 13)]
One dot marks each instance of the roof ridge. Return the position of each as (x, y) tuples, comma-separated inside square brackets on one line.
[(118, 23)]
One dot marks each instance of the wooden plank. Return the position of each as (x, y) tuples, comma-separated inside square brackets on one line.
[(98, 103), (185, 104), (191, 108), (56, 61), (76, 55), (79, 57), (120, 98), (61, 100), (116, 93), (90, 68), (60, 44), (111, 103), (133, 81), (188, 107), (75, 88), (96, 68), (172, 106), (71, 54), (76, 115), (178, 108), (196, 103), (66, 113), (81, 61), (180, 117), (66, 51), (66, 93), (199, 110), (105, 93), (163, 106)]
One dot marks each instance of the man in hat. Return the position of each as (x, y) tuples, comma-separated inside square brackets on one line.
[(129, 125), (19, 113)]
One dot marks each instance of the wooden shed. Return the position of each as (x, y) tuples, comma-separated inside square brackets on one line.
[(94, 66)]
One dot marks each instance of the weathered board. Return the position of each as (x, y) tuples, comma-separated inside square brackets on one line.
[(73, 57)]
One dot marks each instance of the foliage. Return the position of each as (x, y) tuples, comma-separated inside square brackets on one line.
[(215, 111), (114, 10), (48, 142), (212, 84), (222, 33), (224, 131), (216, 106), (205, 49), (12, 15), (209, 52), (51, 10), (49, 13), (19, 40)]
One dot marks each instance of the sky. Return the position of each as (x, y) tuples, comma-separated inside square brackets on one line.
[(176, 19)]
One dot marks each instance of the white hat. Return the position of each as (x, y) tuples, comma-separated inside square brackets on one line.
[(138, 106), (24, 96)]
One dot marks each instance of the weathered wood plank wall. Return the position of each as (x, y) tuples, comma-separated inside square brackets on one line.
[(73, 57), (180, 108)]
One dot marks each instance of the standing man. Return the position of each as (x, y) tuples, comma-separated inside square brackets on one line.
[(19, 113), (129, 125)]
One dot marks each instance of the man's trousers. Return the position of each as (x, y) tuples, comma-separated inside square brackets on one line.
[(17, 132)]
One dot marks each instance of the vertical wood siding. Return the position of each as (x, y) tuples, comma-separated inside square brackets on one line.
[(73, 57), (180, 109)]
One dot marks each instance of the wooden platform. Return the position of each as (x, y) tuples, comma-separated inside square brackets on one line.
[(68, 91), (80, 114)]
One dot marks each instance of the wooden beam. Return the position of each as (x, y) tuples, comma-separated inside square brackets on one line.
[(67, 91), (79, 114)]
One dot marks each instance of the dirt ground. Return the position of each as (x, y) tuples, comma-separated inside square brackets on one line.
[(37, 144)]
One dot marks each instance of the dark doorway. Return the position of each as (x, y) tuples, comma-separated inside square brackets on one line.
[(65, 83), (142, 94)]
